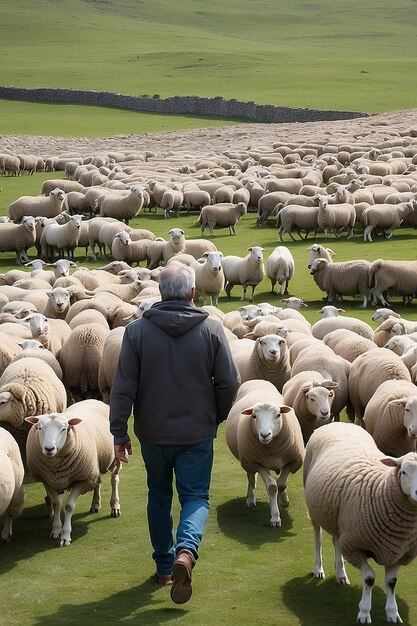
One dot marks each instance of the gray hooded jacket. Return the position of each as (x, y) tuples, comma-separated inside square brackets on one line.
[(176, 370)]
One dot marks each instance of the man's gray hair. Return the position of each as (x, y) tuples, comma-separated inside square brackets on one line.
[(176, 282)]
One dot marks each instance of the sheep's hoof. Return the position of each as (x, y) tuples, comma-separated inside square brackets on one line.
[(95, 509), (115, 512), (4, 540), (276, 523), (55, 534), (343, 580), (64, 543), (319, 574)]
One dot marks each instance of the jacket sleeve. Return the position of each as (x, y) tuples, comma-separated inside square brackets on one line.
[(124, 388), (226, 378)]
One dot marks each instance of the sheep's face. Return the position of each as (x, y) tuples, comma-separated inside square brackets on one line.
[(295, 303), (176, 235), (77, 220), (267, 420), (214, 261), (409, 408), (271, 348), (60, 299), (62, 267), (6, 402), (318, 265), (319, 400), (52, 431), (257, 253), (330, 311), (249, 312), (124, 237), (29, 222), (381, 315), (408, 475), (39, 324)]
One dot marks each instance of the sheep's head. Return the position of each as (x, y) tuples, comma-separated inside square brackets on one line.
[(256, 253), (271, 348), (267, 419), (319, 398), (53, 431), (318, 265), (176, 235)]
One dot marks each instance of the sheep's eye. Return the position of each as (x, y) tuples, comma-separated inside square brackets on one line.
[(331, 394)]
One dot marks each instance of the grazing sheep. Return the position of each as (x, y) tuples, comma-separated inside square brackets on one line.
[(391, 417), (396, 277), (368, 371), (18, 238), (303, 218), (123, 207), (347, 343), (42, 206), (48, 186), (265, 359), (71, 450), (346, 278), (76, 203), (321, 328), (317, 251), (12, 494), (172, 200), (335, 217), (209, 277), (311, 397), (280, 268), (109, 360), (367, 507), (385, 216), (221, 215), (80, 358), (264, 435), (247, 271), (61, 237), (195, 199)]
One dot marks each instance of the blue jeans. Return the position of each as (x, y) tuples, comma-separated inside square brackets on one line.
[(192, 468)]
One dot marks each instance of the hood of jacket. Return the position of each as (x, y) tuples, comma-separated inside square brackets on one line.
[(175, 317)]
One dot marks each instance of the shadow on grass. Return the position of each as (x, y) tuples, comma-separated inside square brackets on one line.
[(251, 526), (139, 604), (316, 602)]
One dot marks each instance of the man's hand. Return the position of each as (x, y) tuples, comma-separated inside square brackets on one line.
[(122, 451)]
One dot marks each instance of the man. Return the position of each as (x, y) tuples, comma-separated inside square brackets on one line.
[(176, 370)]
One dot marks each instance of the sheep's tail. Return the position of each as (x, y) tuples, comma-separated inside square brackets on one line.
[(372, 271)]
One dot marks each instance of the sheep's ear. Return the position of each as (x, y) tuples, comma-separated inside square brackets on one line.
[(74, 421), (32, 419), (247, 412), (250, 249), (250, 336), (330, 251), (391, 461), (341, 311), (329, 384), (398, 402), (5, 396), (306, 387), (206, 254), (285, 409), (285, 300)]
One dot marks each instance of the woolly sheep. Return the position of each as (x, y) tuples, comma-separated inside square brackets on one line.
[(48, 186), (124, 207), (301, 217), (197, 247), (311, 397), (221, 215), (209, 277), (62, 237), (108, 362), (368, 508), (264, 435), (80, 358), (38, 352), (195, 199), (79, 440), (247, 271), (12, 494), (330, 311), (386, 330), (124, 249), (368, 371), (347, 343), (318, 251), (399, 344), (49, 206), (385, 216), (163, 250), (321, 328), (346, 278), (280, 268), (397, 277), (336, 217), (171, 201), (265, 359), (382, 314), (52, 333), (18, 238)]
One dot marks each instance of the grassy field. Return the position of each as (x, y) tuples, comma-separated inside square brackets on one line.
[(328, 54), (249, 573)]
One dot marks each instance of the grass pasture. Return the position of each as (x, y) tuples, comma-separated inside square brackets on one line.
[(249, 573)]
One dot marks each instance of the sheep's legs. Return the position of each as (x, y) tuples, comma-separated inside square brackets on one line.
[(96, 501), (391, 608), (282, 486), (339, 564), (272, 490), (69, 510), (365, 604), (56, 508), (250, 497), (114, 479), (14, 510), (318, 571)]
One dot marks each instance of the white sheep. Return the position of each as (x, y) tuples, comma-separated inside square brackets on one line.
[(171, 201), (317, 251), (347, 343), (163, 250), (367, 507), (346, 278), (264, 435), (221, 215), (49, 206), (18, 238), (397, 277), (311, 396), (123, 207), (267, 358), (385, 216), (301, 217), (124, 249), (70, 450), (336, 217), (330, 311), (12, 494), (400, 344), (247, 271), (280, 268), (109, 360), (322, 327), (209, 276), (382, 314), (61, 237)]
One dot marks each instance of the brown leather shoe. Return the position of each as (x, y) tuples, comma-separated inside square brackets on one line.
[(181, 589), (163, 579)]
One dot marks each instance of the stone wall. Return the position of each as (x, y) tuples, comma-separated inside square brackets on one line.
[(183, 105)]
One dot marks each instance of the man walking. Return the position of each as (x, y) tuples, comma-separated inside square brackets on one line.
[(176, 370)]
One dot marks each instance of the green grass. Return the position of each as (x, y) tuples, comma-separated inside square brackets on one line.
[(249, 573), (326, 54)]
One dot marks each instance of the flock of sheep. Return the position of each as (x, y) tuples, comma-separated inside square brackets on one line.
[(61, 329)]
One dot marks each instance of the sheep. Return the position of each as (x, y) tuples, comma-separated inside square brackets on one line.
[(398, 277), (9, 348), (368, 371), (300, 217), (88, 316), (197, 247), (34, 349), (387, 329), (368, 508), (266, 359), (12, 493), (318, 251), (59, 300), (52, 333), (385, 216), (336, 217), (347, 343), (266, 325), (321, 328), (221, 215), (382, 314), (172, 200), (330, 311), (18, 238), (195, 198), (124, 249), (108, 362), (399, 344), (209, 276), (164, 250), (80, 360), (62, 237), (70, 450), (311, 397), (66, 185), (391, 417), (49, 206), (245, 271), (29, 387), (124, 207), (346, 278), (264, 435), (280, 268)]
